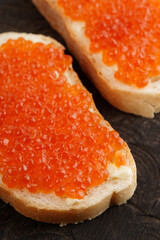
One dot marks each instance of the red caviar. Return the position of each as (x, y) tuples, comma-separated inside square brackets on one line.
[(119, 159), (49, 140), (125, 31)]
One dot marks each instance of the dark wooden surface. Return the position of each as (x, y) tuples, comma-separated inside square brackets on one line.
[(139, 219)]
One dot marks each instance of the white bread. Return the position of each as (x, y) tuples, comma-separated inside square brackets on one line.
[(53, 209), (144, 102)]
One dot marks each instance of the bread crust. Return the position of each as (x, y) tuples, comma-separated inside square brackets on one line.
[(53, 209), (144, 102)]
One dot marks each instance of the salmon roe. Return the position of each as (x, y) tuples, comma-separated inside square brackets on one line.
[(125, 31), (49, 140)]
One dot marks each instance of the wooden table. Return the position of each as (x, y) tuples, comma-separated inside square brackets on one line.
[(138, 219)]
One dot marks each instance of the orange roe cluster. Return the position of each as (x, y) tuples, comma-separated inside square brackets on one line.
[(125, 31), (49, 140)]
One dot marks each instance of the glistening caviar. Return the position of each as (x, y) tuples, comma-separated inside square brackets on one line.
[(49, 139), (126, 32)]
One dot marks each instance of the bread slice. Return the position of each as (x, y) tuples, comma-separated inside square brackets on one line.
[(144, 102), (53, 209)]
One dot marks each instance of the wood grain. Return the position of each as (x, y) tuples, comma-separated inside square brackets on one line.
[(139, 219)]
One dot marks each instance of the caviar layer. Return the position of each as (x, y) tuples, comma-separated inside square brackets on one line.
[(49, 139), (126, 32)]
